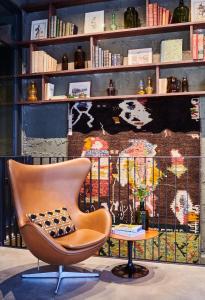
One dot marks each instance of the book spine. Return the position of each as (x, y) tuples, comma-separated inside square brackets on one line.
[(167, 17), (150, 15), (164, 16), (100, 57), (97, 56), (160, 15), (33, 62), (200, 46), (110, 59), (155, 13), (195, 46)]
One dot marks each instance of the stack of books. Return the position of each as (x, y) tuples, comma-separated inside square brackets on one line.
[(198, 46), (104, 58), (42, 62), (128, 229), (158, 15), (58, 28)]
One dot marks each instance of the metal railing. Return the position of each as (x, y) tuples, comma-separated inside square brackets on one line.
[(172, 188)]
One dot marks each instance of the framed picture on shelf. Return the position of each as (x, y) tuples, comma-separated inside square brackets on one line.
[(79, 89), (94, 22), (140, 56), (39, 29), (197, 10)]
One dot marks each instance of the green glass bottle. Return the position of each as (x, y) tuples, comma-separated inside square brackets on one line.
[(131, 19), (113, 26), (181, 13)]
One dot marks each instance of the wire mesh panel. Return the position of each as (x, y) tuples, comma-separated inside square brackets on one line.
[(171, 189)]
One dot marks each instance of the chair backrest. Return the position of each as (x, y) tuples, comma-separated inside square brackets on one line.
[(38, 188)]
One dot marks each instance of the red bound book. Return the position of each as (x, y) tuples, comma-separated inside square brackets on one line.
[(164, 16), (195, 46), (160, 15), (150, 15), (155, 13), (167, 17)]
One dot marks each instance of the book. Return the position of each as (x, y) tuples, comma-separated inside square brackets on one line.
[(139, 56), (127, 227), (171, 50), (128, 230), (128, 233), (200, 46), (162, 85), (197, 10), (49, 91)]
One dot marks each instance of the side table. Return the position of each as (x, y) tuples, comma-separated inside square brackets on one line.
[(131, 270)]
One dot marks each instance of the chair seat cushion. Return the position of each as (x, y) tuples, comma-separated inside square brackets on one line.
[(55, 222), (81, 238)]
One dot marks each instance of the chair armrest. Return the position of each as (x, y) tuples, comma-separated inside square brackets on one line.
[(99, 220)]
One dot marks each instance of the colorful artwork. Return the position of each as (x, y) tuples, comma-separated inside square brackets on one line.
[(184, 210), (195, 113), (126, 154), (95, 148), (134, 113), (177, 167)]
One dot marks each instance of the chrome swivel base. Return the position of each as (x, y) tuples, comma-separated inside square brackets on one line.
[(60, 275)]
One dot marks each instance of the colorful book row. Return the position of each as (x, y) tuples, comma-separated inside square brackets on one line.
[(158, 15), (58, 28)]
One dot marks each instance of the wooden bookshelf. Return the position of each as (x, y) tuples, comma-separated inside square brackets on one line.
[(113, 34), (92, 39), (118, 97)]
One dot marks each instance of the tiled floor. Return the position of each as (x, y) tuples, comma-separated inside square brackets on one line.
[(164, 281)]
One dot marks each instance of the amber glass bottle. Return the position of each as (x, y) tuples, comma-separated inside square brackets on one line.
[(79, 58), (181, 13), (65, 62)]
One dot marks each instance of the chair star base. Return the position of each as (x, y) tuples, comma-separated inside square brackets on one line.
[(60, 275)]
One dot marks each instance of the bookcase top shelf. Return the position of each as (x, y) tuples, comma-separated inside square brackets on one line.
[(114, 34), (112, 98), (32, 7)]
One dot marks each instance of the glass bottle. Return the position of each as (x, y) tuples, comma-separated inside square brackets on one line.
[(79, 58), (149, 88), (141, 90), (111, 89), (32, 92), (131, 18), (181, 13), (113, 26), (65, 62), (142, 216), (185, 84)]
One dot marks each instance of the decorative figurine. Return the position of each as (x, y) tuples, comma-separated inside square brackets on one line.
[(173, 85), (32, 92)]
